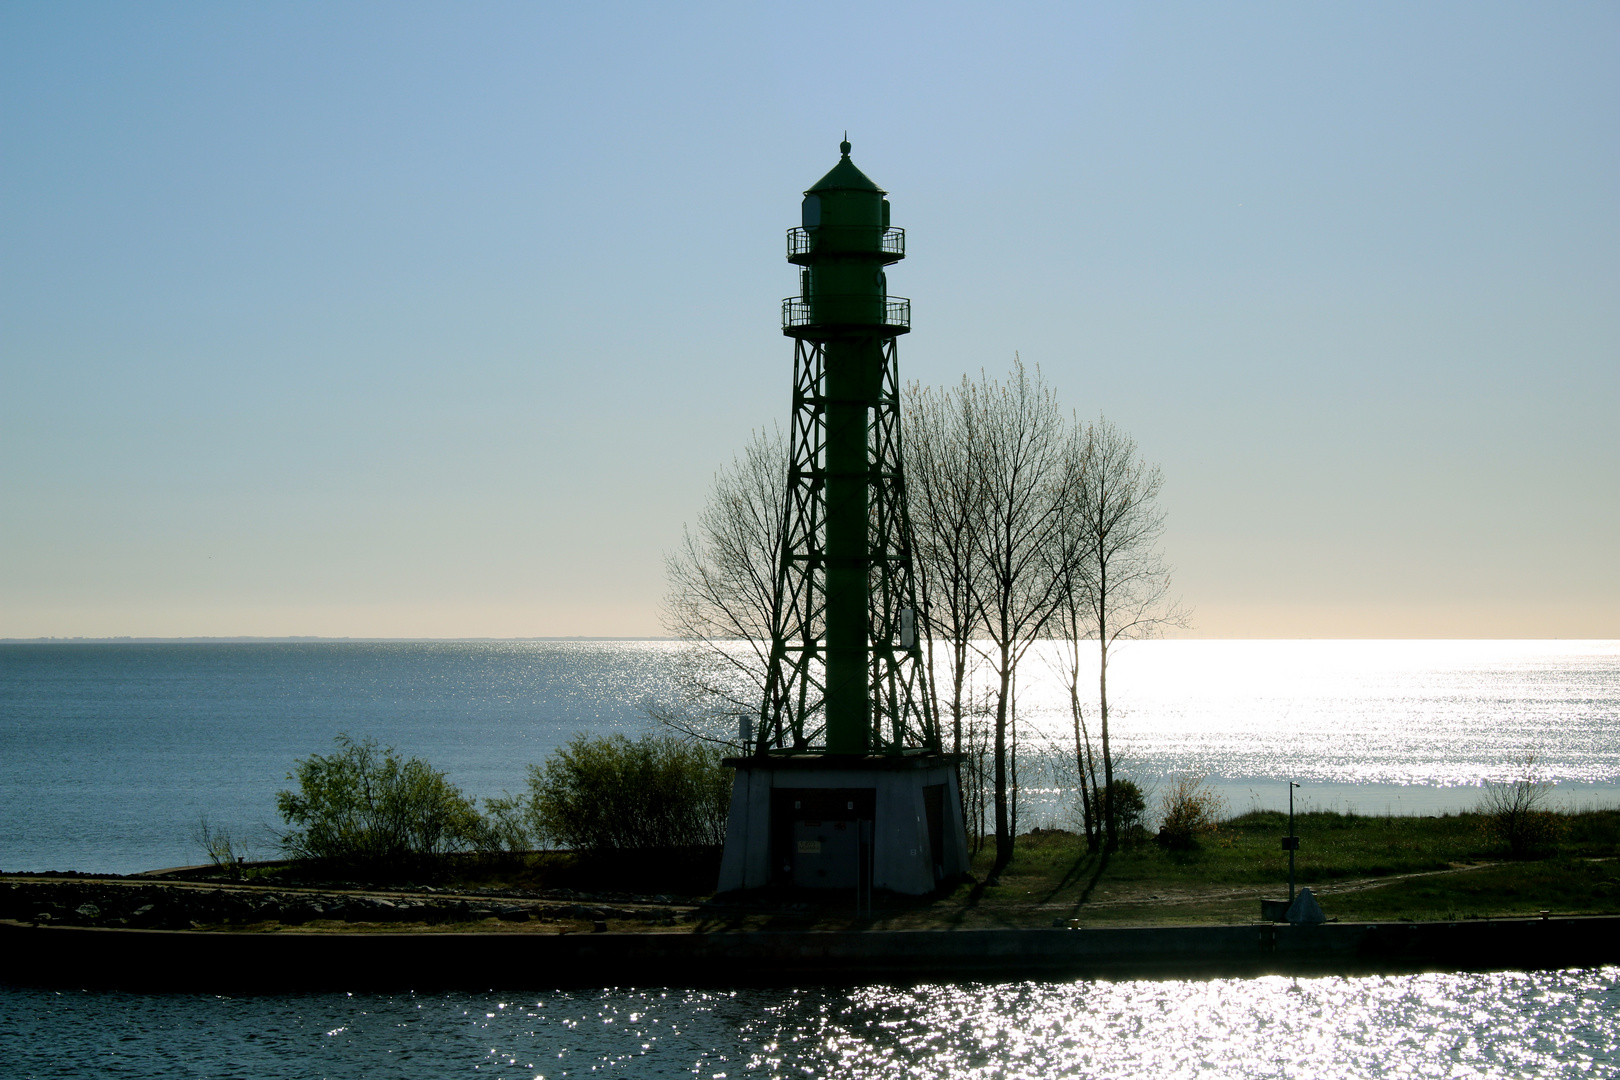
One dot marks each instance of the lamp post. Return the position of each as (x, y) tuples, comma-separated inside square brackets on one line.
[(1291, 841)]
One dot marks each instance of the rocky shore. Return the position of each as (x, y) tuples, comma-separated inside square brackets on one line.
[(136, 903)]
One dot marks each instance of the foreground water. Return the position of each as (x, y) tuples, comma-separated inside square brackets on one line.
[(1547, 1024), (110, 751)]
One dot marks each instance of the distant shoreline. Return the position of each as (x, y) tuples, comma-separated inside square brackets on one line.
[(304, 639), (307, 638)]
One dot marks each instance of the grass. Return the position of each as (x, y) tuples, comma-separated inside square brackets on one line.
[(1361, 868)]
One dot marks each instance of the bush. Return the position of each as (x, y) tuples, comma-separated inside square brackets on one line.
[(1516, 815), (216, 843), (1129, 804), (1189, 810), (366, 804), (505, 825), (611, 794)]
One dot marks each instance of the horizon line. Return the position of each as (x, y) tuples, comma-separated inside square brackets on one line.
[(304, 638)]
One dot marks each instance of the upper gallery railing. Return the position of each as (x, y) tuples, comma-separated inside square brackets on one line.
[(829, 239)]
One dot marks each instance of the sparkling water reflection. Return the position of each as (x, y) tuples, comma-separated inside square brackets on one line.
[(1550, 1024)]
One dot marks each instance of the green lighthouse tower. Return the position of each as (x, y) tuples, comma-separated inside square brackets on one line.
[(846, 397), (844, 785)]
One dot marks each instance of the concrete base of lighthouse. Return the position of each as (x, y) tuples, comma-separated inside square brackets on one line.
[(839, 821)]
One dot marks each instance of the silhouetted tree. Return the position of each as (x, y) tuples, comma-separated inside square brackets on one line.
[(1119, 583), (1020, 453), (723, 594)]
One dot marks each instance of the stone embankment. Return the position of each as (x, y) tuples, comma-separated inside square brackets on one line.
[(140, 935), (450, 959), (148, 905)]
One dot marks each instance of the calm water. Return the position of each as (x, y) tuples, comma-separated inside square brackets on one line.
[(108, 752), (1557, 1024)]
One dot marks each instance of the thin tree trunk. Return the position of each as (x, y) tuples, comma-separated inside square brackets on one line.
[(1004, 840), (960, 676), (978, 797), (1012, 755), (1091, 763), (1082, 748), (1110, 818)]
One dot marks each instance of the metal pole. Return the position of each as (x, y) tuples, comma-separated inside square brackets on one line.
[(1293, 841)]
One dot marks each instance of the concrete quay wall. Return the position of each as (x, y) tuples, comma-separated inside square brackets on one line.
[(191, 960)]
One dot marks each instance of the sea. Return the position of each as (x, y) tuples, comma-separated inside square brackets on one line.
[(111, 752)]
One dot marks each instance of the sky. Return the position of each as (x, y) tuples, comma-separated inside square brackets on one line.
[(436, 320)]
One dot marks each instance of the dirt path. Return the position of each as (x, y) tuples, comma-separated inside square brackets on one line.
[(1256, 892)]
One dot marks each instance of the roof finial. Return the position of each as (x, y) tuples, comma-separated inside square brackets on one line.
[(843, 147)]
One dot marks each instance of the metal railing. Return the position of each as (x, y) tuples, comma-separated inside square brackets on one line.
[(844, 238), (797, 312)]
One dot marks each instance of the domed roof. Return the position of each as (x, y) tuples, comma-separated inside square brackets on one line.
[(844, 176)]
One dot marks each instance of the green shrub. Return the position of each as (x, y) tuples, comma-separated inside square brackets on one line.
[(505, 825), (611, 794), (1189, 810), (367, 804)]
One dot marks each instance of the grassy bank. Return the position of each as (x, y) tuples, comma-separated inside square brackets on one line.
[(1361, 869)]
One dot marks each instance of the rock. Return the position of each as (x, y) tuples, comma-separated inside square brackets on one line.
[(302, 912), (88, 910)]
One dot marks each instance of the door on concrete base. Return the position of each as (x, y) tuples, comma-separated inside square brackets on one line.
[(934, 808), (818, 836)]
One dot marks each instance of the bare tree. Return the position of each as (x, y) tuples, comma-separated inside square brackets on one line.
[(1070, 627), (1518, 813), (722, 594), (1020, 456), (944, 490), (1122, 578)]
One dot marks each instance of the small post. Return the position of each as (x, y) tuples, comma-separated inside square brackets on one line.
[(863, 868)]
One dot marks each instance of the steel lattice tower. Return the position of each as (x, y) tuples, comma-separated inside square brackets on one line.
[(844, 786), (846, 674)]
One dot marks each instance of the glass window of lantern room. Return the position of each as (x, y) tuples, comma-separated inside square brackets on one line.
[(810, 212)]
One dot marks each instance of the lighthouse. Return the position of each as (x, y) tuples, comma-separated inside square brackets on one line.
[(844, 784)]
